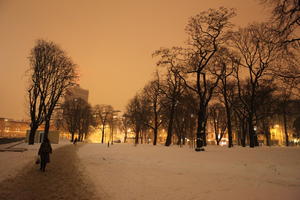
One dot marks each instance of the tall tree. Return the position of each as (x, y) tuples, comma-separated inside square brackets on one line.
[(152, 92), (228, 62), (125, 126), (266, 107), (51, 73), (258, 47), (206, 32), (85, 120), (172, 87), (285, 93), (136, 113)]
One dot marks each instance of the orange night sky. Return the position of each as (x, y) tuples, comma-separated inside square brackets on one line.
[(110, 40)]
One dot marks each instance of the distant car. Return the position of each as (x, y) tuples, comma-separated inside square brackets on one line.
[(117, 141)]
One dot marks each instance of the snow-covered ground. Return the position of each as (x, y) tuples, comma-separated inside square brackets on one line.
[(144, 172), (12, 162), (126, 172)]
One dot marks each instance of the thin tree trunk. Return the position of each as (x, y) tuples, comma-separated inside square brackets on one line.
[(72, 137), (137, 136), (200, 128), (229, 127), (285, 128), (251, 131), (155, 132), (243, 133), (102, 140), (267, 133), (125, 137)]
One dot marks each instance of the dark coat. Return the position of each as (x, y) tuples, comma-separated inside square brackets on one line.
[(44, 151)]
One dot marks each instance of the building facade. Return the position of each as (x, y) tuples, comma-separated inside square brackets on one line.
[(12, 128)]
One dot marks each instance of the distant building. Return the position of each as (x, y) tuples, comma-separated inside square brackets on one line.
[(76, 92), (13, 128)]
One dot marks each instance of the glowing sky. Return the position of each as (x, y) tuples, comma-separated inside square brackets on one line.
[(110, 40)]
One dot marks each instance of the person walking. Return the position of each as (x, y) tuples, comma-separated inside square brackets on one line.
[(44, 153)]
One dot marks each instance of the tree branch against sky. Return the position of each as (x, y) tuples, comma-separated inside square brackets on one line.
[(286, 17), (206, 33), (145, 27)]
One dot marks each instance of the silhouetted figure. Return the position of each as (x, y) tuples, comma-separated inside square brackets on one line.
[(75, 141), (44, 151)]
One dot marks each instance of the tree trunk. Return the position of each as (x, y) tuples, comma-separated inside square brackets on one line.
[(32, 132), (125, 137), (267, 134), (243, 133), (251, 131), (72, 137), (229, 127), (136, 138), (285, 128), (200, 129), (204, 132), (102, 140), (47, 127), (170, 126), (155, 132), (141, 136)]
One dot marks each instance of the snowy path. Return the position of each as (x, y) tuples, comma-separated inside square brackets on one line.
[(63, 179)]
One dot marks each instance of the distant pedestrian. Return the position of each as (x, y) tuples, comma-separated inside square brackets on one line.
[(44, 151), (75, 141)]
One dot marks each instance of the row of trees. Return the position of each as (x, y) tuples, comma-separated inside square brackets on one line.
[(78, 117), (239, 78)]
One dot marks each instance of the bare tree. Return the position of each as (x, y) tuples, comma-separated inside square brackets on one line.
[(70, 116), (207, 32), (226, 88), (85, 120), (186, 111), (286, 17), (124, 126), (266, 108), (104, 114), (152, 92), (136, 113), (172, 87), (218, 120), (51, 73), (259, 48), (286, 91), (76, 117)]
